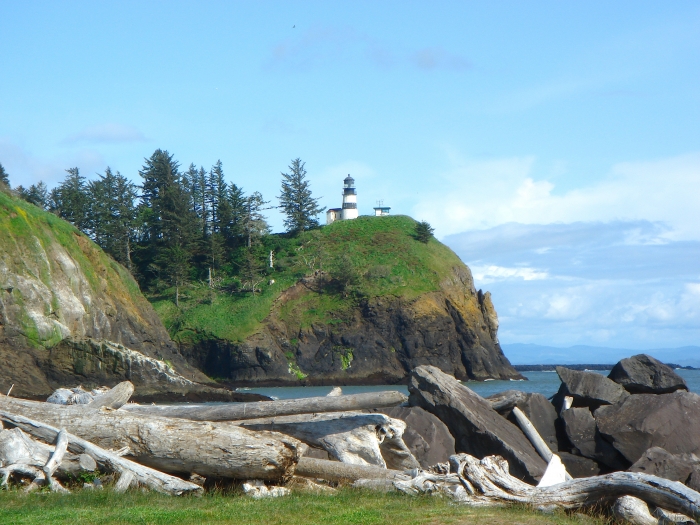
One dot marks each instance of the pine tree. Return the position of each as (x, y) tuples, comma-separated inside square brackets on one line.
[(4, 177), (37, 194), (423, 232), (169, 225), (70, 200), (296, 201), (113, 215)]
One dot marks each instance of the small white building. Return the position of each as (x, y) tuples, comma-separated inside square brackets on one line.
[(349, 209), (381, 210)]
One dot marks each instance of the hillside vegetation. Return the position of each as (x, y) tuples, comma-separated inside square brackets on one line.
[(364, 258), (32, 246)]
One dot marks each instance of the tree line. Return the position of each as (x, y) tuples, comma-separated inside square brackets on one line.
[(177, 225)]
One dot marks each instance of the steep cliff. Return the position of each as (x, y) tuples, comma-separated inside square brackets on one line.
[(69, 314), (357, 302)]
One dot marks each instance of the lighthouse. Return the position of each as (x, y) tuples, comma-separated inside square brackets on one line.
[(349, 199)]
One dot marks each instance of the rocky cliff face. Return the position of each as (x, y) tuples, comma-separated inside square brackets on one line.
[(69, 314), (379, 342)]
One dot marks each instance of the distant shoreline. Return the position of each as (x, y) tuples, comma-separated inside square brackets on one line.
[(551, 368)]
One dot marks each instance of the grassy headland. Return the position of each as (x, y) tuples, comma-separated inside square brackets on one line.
[(367, 257)]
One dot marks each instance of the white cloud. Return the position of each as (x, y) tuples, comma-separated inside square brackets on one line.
[(491, 273), (483, 194)]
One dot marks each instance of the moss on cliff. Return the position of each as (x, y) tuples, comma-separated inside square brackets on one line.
[(364, 258), (33, 246)]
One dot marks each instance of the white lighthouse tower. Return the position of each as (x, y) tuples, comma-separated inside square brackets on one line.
[(349, 199)]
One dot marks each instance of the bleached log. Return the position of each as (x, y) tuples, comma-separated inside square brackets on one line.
[(115, 397), (634, 511), (335, 392), (58, 453), (349, 437), (17, 447), (264, 409), (152, 478), (175, 447), (489, 482), (531, 432), (337, 471)]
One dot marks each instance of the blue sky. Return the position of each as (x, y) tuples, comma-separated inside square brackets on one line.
[(554, 145)]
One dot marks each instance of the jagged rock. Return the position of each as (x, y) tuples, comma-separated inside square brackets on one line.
[(694, 479), (642, 374), (477, 428), (583, 434), (578, 466), (676, 467), (428, 439), (588, 389), (642, 421), (536, 407)]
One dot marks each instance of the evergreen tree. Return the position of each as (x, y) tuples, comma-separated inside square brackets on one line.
[(37, 194), (113, 215), (4, 177), (70, 200), (296, 201), (170, 227), (254, 223), (423, 232)]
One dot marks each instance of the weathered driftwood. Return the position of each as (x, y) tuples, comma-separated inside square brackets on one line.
[(18, 457), (18, 448), (349, 437), (634, 511), (337, 471), (115, 397), (176, 447), (152, 478), (488, 482), (282, 407), (531, 432)]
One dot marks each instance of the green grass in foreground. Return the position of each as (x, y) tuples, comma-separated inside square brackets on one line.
[(347, 507)]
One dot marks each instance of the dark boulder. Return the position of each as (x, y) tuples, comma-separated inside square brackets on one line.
[(428, 439), (642, 374), (676, 467), (477, 428), (578, 466), (535, 406), (642, 421), (587, 388), (583, 434)]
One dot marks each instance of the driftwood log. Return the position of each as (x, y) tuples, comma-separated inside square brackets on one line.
[(349, 437), (18, 448), (175, 447), (488, 482), (129, 470), (336, 471), (264, 409)]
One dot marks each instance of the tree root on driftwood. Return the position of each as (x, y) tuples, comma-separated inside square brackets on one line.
[(128, 470), (488, 482)]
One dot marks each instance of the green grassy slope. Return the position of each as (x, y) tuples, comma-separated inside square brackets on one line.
[(27, 240), (385, 259)]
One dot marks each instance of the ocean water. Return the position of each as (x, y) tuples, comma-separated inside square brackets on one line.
[(546, 383)]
